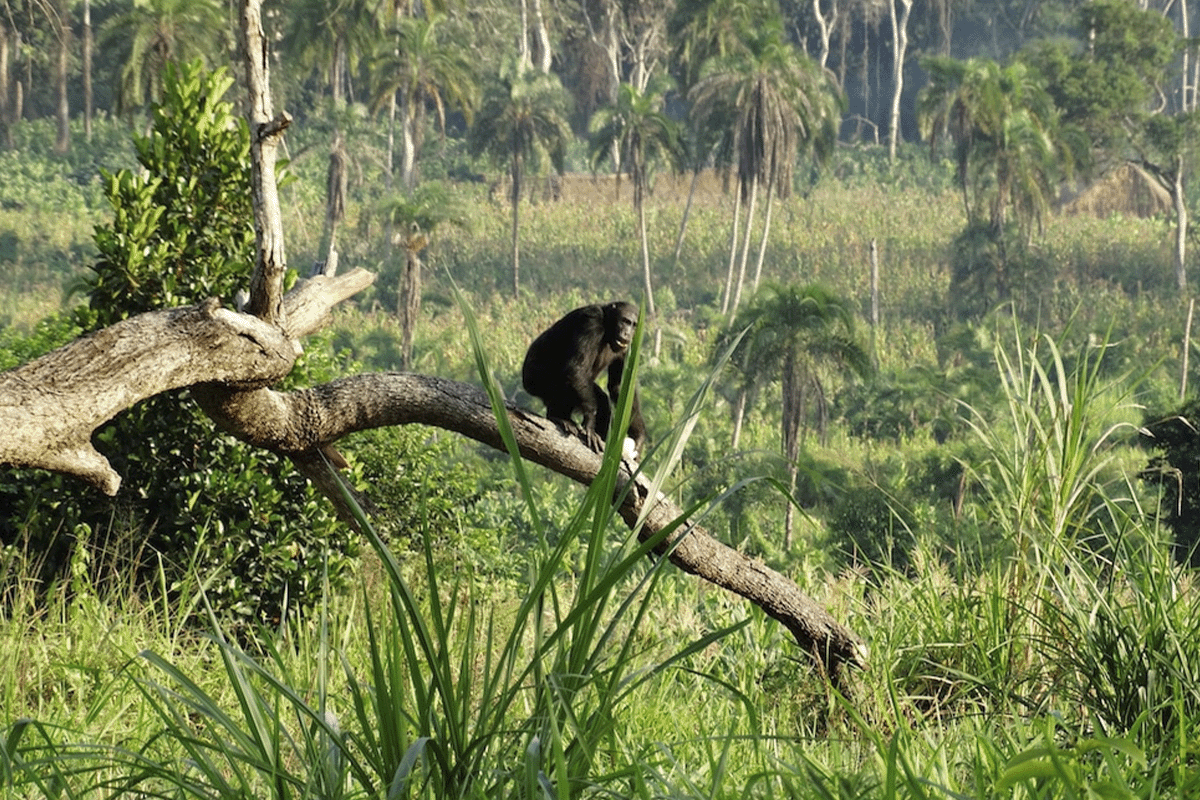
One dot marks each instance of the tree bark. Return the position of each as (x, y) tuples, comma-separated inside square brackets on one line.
[(766, 232), (523, 57), (899, 48), (51, 406), (825, 25), (266, 284), (647, 282), (88, 100), (727, 296), (62, 113), (6, 101), (517, 172), (1181, 224), (408, 303), (741, 278), (541, 38)]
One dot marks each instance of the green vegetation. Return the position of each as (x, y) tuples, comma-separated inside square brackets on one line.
[(1031, 633), (992, 481)]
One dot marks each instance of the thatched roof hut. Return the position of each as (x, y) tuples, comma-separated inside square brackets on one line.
[(1128, 190)]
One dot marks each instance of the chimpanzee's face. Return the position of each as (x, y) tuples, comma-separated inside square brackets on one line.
[(622, 318)]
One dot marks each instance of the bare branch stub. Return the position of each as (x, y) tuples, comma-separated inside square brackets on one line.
[(266, 285)]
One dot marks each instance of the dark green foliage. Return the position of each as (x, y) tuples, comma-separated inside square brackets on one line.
[(895, 406), (182, 227), (1111, 70), (1176, 470), (868, 526), (422, 492), (991, 266), (182, 231)]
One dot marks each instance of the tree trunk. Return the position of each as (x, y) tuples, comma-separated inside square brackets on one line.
[(792, 414), (1181, 227), (874, 285), (390, 157), (683, 221), (516, 220), (408, 145), (266, 284), (88, 100), (739, 414), (62, 114), (899, 48), (727, 296), (825, 25), (335, 197), (409, 305), (647, 283), (541, 37), (6, 104), (766, 231), (523, 58), (612, 49), (1187, 99), (741, 279)]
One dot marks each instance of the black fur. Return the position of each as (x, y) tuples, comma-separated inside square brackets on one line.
[(564, 361)]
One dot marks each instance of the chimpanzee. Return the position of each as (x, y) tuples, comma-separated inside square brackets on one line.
[(563, 362)]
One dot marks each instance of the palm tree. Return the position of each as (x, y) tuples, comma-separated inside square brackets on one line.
[(793, 333), (522, 120), (422, 70), (154, 33), (706, 29), (415, 217), (636, 133), (330, 36), (703, 30), (1005, 129), (1008, 150), (770, 101)]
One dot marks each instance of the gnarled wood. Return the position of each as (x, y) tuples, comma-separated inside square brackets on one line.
[(266, 131), (50, 407), (300, 423)]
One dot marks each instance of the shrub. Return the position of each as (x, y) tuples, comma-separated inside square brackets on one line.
[(1176, 471), (868, 526)]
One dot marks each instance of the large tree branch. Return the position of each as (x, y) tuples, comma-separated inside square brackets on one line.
[(302, 422), (50, 407)]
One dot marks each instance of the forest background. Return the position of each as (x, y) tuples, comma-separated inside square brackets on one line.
[(962, 269)]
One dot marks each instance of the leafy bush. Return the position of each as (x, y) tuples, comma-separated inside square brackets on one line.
[(868, 526), (182, 228), (181, 232), (421, 492), (1176, 471)]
